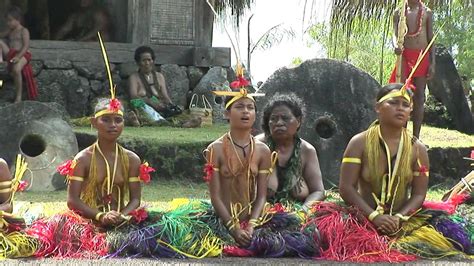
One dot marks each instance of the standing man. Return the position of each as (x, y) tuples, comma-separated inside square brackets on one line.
[(413, 28)]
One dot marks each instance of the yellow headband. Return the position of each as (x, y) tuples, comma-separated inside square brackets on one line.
[(108, 112), (401, 93), (242, 93)]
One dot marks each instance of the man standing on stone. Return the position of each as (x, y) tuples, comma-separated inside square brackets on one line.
[(147, 88), (419, 24)]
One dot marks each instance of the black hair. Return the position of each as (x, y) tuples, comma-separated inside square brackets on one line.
[(388, 88), (290, 100), (15, 12), (144, 49)]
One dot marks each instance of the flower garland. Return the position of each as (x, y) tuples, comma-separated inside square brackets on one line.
[(420, 20)]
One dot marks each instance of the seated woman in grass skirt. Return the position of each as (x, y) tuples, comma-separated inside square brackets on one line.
[(384, 180), (297, 176), (13, 243), (237, 170), (100, 178)]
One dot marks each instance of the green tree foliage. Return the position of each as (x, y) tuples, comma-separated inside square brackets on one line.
[(458, 35), (361, 34), (369, 51)]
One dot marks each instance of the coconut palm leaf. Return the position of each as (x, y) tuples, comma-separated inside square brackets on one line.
[(237, 9), (358, 17)]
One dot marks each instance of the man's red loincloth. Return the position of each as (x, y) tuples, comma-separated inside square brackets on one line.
[(410, 56), (27, 73)]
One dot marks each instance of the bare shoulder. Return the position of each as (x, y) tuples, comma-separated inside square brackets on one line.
[(262, 147), (160, 75), (132, 157), (25, 30), (307, 147), (357, 142), (84, 157), (133, 76), (420, 146), (261, 137), (216, 145), (428, 10)]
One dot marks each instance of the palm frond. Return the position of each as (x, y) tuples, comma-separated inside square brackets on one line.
[(358, 17), (236, 8)]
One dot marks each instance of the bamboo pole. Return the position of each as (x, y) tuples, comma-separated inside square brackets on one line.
[(401, 32)]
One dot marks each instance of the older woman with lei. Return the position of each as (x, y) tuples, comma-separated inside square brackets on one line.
[(384, 180), (238, 168), (297, 176)]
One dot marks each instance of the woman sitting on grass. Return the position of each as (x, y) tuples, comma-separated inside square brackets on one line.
[(241, 165), (13, 243), (100, 178), (237, 171), (384, 180), (297, 175)]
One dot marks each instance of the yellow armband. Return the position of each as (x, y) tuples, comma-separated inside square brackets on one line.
[(266, 171), (372, 215), (133, 179), (98, 216), (76, 178), (351, 160), (416, 173), (402, 217)]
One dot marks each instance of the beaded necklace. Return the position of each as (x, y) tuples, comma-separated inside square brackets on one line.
[(420, 20)]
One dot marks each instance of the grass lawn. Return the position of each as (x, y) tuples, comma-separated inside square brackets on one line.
[(159, 192), (168, 135), (432, 136)]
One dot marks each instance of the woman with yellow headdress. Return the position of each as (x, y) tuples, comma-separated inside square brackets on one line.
[(240, 168), (384, 181), (104, 189), (237, 173)]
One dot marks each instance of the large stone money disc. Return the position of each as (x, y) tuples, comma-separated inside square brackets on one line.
[(38, 132), (339, 101)]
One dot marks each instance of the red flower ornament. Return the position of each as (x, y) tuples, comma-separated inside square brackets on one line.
[(115, 105), (277, 208), (67, 168), (139, 215), (145, 171), (22, 186), (239, 83), (423, 170), (208, 171)]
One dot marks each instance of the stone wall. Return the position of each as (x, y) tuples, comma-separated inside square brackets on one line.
[(77, 85)]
